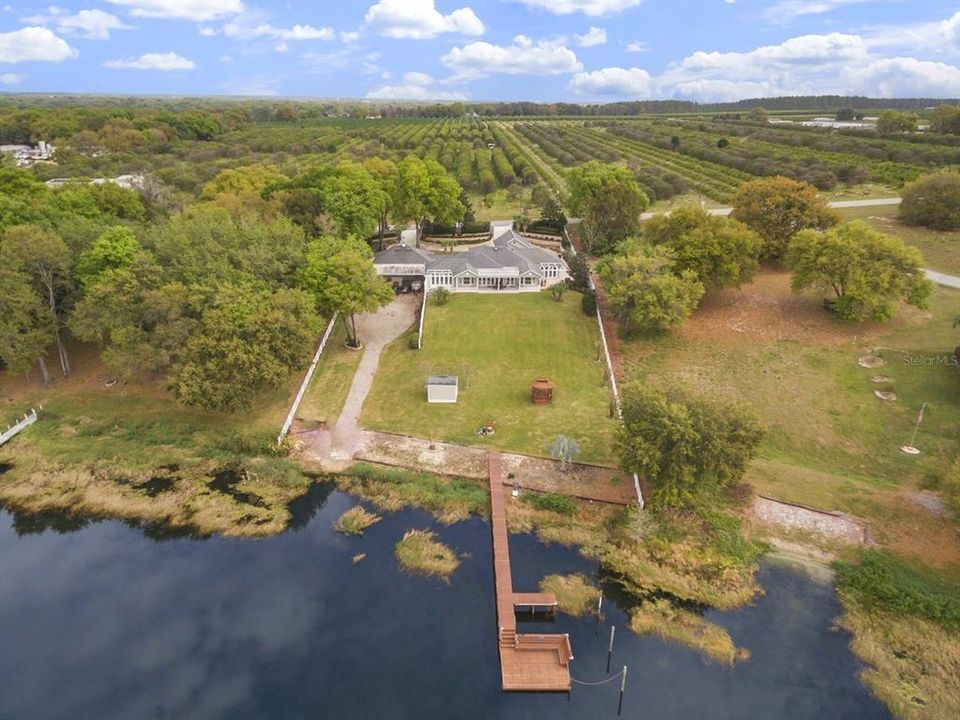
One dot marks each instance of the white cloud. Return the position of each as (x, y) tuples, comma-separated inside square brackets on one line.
[(88, 24), (153, 61), (419, 20), (320, 63), (197, 10), (592, 8), (612, 81), (523, 57), (593, 36), (903, 77), (261, 84), (414, 86), (800, 65), (281, 47), (349, 37), (413, 92), (723, 90), (637, 46), (11, 78), (208, 31), (942, 36), (370, 64), (786, 11), (836, 63), (245, 30), (34, 44), (417, 78)]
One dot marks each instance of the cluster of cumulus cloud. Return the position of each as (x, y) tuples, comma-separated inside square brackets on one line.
[(879, 61)]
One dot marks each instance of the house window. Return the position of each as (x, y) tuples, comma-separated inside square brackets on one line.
[(468, 280), (488, 282), (550, 271)]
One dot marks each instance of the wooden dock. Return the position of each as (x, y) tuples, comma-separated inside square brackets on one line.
[(529, 662)]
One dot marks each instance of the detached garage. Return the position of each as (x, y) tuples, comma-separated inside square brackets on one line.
[(442, 388)]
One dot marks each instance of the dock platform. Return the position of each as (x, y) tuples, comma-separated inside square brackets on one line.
[(528, 662)]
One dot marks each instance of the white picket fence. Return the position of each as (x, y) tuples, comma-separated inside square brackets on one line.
[(306, 381), (610, 374), (423, 314), (29, 419)]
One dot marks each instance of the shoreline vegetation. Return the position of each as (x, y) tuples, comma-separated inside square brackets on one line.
[(670, 622), (668, 561), (905, 621), (575, 594)]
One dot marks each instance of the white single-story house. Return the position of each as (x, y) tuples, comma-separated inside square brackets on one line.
[(511, 264)]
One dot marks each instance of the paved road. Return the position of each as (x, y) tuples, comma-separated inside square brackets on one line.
[(951, 281), (873, 202)]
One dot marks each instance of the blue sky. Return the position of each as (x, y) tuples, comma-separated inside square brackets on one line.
[(543, 50)]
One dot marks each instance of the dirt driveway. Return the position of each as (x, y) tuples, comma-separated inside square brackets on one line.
[(375, 331)]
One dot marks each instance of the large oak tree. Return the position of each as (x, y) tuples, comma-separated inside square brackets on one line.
[(778, 208)]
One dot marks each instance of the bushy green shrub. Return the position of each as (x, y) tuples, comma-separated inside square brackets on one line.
[(588, 303), (440, 295), (933, 201), (551, 502)]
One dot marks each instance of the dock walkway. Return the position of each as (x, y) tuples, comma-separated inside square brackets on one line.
[(527, 661)]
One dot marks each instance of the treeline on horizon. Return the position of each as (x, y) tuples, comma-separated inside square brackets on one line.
[(280, 109)]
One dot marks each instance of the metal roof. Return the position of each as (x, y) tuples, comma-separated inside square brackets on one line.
[(442, 380)]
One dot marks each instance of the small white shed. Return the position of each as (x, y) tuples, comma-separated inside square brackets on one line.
[(442, 388)]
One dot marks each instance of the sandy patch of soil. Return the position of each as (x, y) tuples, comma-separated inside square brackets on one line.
[(590, 482)]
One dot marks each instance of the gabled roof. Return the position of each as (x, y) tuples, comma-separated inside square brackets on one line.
[(511, 240), (402, 255), (510, 251)]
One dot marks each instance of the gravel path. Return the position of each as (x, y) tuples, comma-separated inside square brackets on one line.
[(872, 202), (375, 331)]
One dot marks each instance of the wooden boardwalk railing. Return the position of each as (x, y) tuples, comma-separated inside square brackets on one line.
[(527, 661)]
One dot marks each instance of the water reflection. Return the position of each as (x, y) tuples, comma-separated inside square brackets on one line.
[(104, 623)]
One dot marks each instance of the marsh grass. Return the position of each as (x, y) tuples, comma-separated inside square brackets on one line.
[(448, 499), (418, 551), (913, 665), (355, 520), (689, 556), (663, 618), (906, 625), (575, 594)]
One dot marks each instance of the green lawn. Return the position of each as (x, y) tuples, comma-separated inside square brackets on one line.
[(331, 381), (498, 345), (941, 250)]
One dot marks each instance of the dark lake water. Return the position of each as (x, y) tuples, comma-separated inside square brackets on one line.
[(104, 622)]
